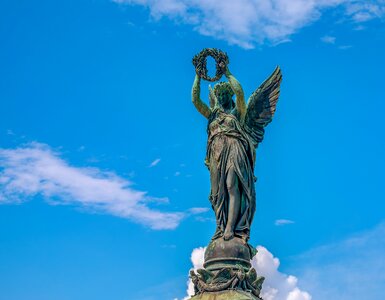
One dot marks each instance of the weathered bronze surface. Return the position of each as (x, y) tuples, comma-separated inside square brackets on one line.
[(226, 295), (234, 131)]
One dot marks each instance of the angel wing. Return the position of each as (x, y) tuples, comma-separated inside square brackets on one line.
[(261, 107)]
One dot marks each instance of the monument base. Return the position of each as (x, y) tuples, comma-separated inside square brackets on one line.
[(227, 272), (226, 295)]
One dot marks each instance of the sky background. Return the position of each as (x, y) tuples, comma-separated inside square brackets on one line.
[(103, 189)]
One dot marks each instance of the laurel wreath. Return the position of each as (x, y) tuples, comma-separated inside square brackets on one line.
[(200, 63)]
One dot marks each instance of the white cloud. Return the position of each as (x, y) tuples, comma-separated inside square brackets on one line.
[(36, 169), (352, 268), (249, 22), (197, 259), (362, 11), (327, 39), (277, 285), (154, 163), (205, 219), (198, 210), (281, 222)]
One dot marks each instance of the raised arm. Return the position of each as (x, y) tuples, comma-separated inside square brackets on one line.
[(238, 91), (196, 99)]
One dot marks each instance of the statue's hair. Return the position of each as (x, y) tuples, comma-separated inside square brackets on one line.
[(220, 86)]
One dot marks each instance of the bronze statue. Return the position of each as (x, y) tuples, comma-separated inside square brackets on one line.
[(234, 131)]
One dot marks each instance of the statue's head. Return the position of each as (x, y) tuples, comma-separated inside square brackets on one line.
[(224, 94)]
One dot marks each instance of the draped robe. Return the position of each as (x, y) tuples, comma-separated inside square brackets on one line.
[(229, 149)]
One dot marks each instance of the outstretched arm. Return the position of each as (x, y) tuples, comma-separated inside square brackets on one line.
[(195, 95), (238, 91)]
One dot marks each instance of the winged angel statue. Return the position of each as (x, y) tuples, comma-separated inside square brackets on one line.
[(235, 129)]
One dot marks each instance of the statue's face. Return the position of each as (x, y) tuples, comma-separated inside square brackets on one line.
[(224, 98)]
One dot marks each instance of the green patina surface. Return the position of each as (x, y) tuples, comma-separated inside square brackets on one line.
[(235, 128), (225, 295)]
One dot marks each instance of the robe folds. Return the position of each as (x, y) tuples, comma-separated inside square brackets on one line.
[(229, 149)]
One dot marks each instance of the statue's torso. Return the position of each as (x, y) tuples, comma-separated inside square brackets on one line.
[(224, 132)]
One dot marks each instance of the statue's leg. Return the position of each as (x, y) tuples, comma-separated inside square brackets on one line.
[(214, 178), (234, 203)]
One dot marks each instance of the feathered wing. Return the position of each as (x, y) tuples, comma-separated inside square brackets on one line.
[(261, 107)]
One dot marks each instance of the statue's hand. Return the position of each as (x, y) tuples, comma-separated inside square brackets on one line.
[(226, 71), (223, 67)]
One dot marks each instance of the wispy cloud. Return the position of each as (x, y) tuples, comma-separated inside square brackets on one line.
[(327, 39), (352, 268), (277, 285), (281, 222), (250, 22), (154, 162), (198, 210), (36, 169), (362, 11), (205, 219), (345, 47)]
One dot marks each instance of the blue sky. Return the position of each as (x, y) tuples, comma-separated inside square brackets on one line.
[(103, 188)]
